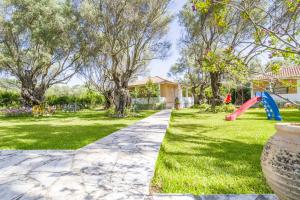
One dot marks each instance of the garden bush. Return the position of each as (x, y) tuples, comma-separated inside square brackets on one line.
[(219, 109), (20, 112), (9, 99), (204, 107), (157, 106), (222, 108), (229, 108), (86, 100)]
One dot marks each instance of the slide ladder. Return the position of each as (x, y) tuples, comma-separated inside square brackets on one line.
[(269, 104)]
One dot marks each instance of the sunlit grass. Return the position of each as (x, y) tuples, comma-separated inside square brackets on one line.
[(204, 154), (60, 131)]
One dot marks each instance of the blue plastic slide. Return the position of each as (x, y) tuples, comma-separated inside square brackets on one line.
[(270, 106)]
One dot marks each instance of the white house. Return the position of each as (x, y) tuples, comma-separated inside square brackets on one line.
[(168, 92), (285, 83)]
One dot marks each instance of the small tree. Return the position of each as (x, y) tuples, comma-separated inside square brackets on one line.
[(136, 92), (151, 90), (189, 71), (39, 45)]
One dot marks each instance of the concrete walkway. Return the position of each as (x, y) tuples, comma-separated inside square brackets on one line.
[(117, 167)]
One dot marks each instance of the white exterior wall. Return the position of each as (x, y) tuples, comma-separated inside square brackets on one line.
[(292, 97), (186, 102), (153, 100)]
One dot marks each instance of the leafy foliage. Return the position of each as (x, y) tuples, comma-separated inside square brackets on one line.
[(227, 63), (18, 112), (149, 90), (39, 44), (87, 99), (9, 99), (128, 35)]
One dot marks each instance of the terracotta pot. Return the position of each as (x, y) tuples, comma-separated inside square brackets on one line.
[(280, 161), (177, 106)]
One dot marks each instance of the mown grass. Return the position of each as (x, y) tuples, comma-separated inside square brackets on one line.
[(60, 131), (204, 154)]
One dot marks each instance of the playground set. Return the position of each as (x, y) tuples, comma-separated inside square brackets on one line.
[(268, 102)]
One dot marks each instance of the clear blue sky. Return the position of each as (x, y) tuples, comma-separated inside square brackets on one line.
[(162, 67)]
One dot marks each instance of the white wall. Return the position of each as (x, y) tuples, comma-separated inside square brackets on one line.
[(186, 102), (153, 100), (292, 97)]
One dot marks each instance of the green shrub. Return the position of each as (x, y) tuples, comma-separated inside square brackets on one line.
[(161, 106), (86, 100), (204, 107), (229, 108), (110, 111), (196, 106), (219, 109), (20, 112), (9, 99), (157, 106)]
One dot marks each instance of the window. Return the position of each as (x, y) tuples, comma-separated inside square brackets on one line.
[(281, 90)]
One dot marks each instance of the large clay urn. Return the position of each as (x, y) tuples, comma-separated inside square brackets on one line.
[(280, 161)]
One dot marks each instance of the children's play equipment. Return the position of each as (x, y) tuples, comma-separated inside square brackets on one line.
[(228, 99), (268, 102)]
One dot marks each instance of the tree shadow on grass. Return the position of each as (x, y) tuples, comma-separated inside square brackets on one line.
[(94, 115), (287, 115), (45, 136), (215, 156), (221, 149)]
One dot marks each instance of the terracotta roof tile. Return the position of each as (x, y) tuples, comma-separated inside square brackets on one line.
[(285, 73), (155, 79)]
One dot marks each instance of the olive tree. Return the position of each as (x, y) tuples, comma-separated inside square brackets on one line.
[(189, 71), (39, 45), (225, 39), (130, 34), (276, 23)]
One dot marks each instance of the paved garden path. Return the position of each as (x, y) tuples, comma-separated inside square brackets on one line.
[(119, 166)]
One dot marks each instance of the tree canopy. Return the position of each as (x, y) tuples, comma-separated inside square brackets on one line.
[(129, 34), (39, 44)]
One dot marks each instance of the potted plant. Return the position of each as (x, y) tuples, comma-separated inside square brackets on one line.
[(177, 103), (280, 161)]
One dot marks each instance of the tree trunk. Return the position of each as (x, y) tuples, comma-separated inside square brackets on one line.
[(32, 96), (215, 81), (122, 101), (108, 100), (201, 95), (196, 97)]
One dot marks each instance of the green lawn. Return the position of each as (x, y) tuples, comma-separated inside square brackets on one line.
[(60, 131), (204, 154)]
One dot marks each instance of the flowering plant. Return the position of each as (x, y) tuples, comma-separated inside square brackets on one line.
[(18, 112)]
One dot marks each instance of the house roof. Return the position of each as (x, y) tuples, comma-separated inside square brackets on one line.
[(284, 73), (154, 79)]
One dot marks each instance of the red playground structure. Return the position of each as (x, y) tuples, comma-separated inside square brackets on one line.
[(269, 105)]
